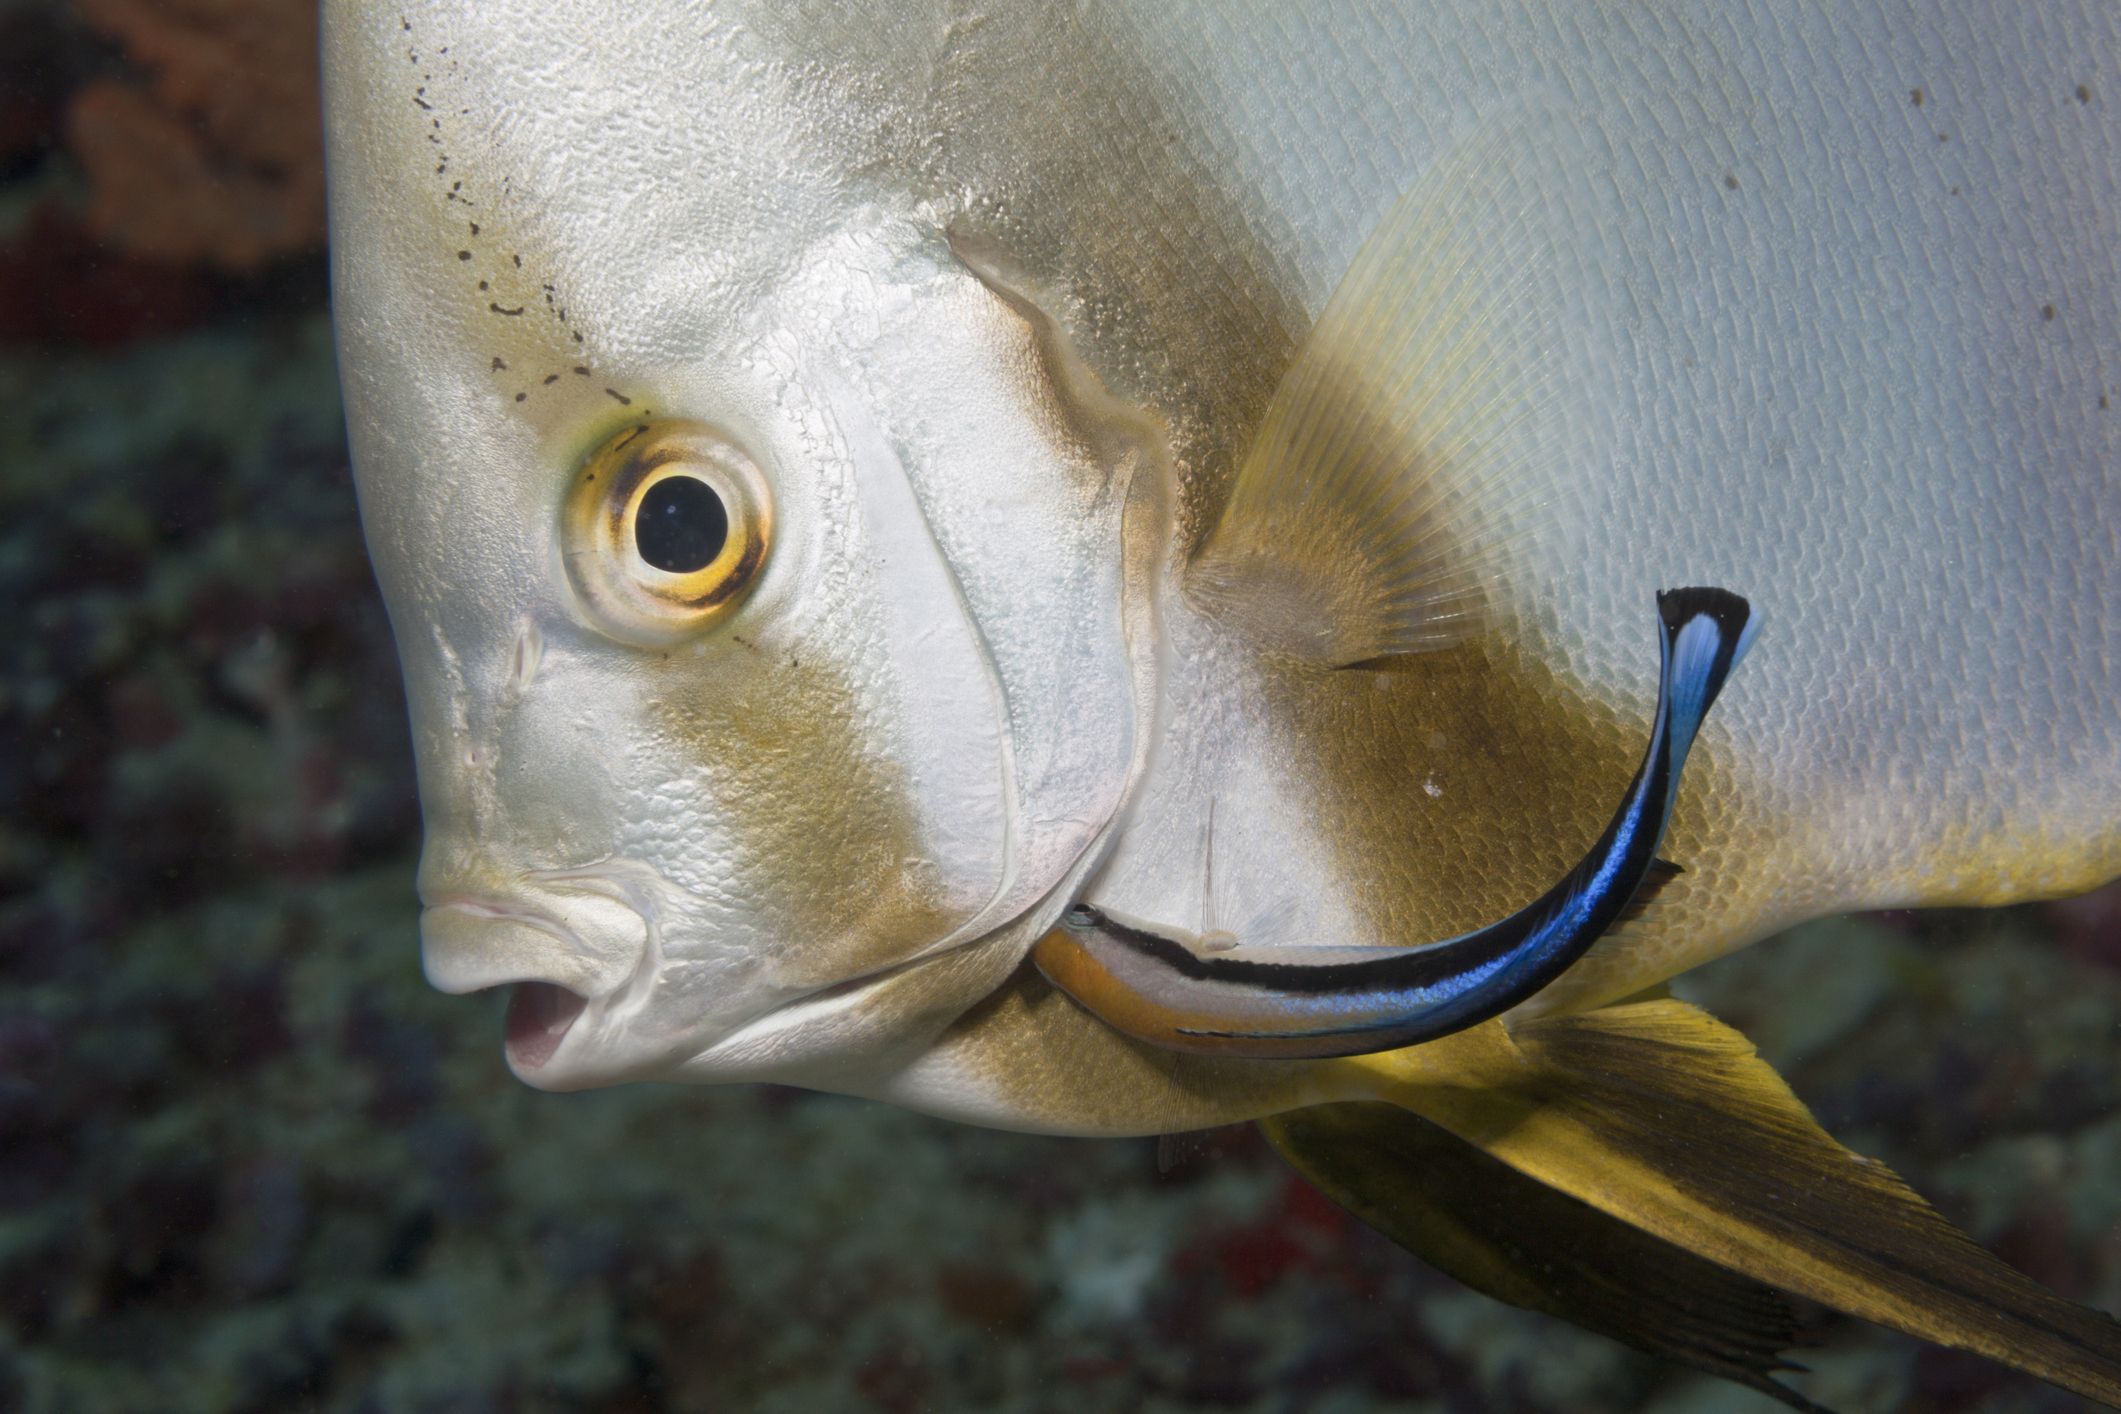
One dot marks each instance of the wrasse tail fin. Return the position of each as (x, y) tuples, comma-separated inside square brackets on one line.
[(1706, 632), (1475, 1218), (1661, 1117), (1372, 516)]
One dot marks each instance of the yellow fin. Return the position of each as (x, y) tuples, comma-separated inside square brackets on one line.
[(1479, 1220), (1663, 1117), (1371, 517)]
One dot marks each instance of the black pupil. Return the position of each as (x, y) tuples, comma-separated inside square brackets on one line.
[(681, 526)]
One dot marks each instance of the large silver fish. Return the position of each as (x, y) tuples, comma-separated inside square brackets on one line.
[(861, 490)]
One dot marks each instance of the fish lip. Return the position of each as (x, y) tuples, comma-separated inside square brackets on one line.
[(455, 978), (545, 1005)]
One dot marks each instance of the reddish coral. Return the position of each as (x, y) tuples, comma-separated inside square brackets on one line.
[(1300, 1232), (58, 285), (216, 156)]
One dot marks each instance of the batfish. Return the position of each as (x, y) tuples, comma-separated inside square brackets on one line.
[(1115, 568)]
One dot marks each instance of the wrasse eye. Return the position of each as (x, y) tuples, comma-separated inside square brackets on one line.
[(664, 529)]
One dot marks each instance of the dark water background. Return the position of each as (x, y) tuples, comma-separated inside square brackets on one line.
[(249, 1162)]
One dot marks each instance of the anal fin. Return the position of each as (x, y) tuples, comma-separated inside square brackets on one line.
[(1477, 1219), (1657, 1114)]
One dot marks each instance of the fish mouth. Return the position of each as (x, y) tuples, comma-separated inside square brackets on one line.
[(540, 1014), (478, 944)]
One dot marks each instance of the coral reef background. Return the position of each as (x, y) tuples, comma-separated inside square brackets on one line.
[(249, 1162)]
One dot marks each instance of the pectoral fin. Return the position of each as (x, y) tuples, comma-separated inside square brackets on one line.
[(1373, 515), (1661, 872), (1477, 1219), (1658, 1115)]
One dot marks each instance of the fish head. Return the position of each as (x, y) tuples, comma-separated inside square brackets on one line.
[(763, 601)]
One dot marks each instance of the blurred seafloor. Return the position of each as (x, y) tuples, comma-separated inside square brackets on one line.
[(249, 1162)]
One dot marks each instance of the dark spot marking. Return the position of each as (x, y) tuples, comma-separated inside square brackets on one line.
[(474, 228), (1730, 181), (497, 309), (2047, 312), (551, 378), (517, 259), (405, 24), (521, 396), (2084, 94), (499, 364), (423, 103), (582, 370), (1944, 137), (483, 285), (1914, 96), (1955, 191), (578, 338), (463, 255), (623, 400), (2102, 402)]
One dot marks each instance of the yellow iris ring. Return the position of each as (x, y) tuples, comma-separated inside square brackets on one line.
[(628, 597)]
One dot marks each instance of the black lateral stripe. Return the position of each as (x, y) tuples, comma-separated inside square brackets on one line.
[(1439, 962)]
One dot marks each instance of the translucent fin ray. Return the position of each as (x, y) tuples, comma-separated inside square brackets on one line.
[(1662, 1117), (1372, 516), (1475, 1218)]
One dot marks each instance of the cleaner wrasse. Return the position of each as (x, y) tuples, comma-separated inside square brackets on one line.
[(1335, 1001)]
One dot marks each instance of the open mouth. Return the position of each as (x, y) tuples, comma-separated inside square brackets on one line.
[(539, 1014)]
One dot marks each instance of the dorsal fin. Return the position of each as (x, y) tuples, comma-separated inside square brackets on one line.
[(1371, 516)]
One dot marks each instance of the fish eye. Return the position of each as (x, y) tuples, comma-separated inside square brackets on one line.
[(666, 525), (681, 525)]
